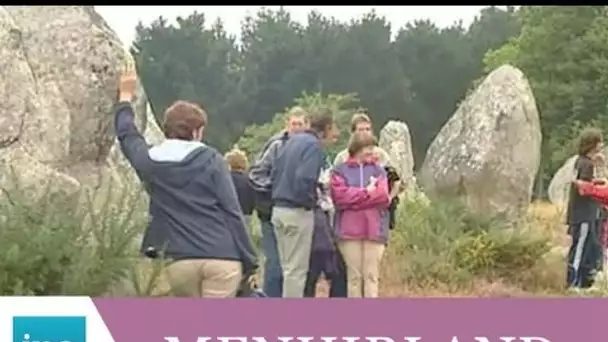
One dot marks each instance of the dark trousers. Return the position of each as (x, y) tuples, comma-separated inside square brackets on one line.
[(332, 265), (585, 257)]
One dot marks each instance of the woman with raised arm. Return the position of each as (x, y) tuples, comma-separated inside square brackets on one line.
[(196, 221)]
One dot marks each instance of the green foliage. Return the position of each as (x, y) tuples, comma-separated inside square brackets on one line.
[(442, 242), (193, 62), (48, 247), (562, 52), (342, 107), (440, 65), (417, 77), (506, 54)]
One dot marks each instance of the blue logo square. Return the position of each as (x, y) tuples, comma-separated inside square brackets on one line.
[(49, 328)]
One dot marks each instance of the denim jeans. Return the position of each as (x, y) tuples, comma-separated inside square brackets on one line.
[(273, 273)]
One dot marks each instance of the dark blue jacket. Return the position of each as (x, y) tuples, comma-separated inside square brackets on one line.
[(244, 191), (194, 210), (296, 171)]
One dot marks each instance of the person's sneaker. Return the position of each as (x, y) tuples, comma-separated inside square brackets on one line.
[(575, 291)]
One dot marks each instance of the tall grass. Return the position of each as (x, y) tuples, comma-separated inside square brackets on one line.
[(440, 248)]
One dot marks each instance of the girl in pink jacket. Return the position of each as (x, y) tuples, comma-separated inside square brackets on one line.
[(359, 190)]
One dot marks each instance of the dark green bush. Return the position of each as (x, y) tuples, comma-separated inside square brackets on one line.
[(48, 247)]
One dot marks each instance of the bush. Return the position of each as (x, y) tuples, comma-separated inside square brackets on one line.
[(441, 243), (48, 247), (341, 106)]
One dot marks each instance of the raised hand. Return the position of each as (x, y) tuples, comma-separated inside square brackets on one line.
[(128, 82)]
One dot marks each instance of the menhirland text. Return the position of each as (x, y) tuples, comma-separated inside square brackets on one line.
[(358, 339)]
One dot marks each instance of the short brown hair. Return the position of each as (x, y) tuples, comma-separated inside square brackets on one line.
[(182, 118), (588, 140), (237, 160), (359, 117), (320, 119), (360, 141)]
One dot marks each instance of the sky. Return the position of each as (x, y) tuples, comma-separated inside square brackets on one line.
[(123, 19)]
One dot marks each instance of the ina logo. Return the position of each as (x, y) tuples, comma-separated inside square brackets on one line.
[(49, 329)]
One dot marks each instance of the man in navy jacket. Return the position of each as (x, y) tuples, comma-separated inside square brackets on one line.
[(294, 195)]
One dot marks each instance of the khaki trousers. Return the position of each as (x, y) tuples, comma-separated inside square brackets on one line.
[(294, 230), (211, 278), (362, 259)]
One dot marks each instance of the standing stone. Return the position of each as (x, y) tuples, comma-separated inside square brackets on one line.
[(60, 68), (396, 141), (488, 153), (559, 187)]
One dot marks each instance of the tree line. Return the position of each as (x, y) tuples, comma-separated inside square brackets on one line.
[(417, 73), (418, 77)]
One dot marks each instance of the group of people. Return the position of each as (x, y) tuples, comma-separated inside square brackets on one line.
[(317, 217)]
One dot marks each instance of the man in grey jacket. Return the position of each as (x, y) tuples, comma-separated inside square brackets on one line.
[(259, 177)]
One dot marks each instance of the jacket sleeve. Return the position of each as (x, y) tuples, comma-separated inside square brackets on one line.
[(259, 173), (250, 196), (228, 200), (132, 143), (344, 196), (598, 193), (380, 197), (308, 172)]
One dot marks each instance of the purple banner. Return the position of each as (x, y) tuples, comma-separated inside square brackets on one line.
[(343, 320)]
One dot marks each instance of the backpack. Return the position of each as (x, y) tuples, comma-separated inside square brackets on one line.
[(392, 177)]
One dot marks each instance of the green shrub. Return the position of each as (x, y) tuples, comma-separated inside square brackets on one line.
[(442, 242), (341, 106), (50, 248)]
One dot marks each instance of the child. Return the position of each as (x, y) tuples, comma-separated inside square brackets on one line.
[(585, 253), (359, 190), (237, 161)]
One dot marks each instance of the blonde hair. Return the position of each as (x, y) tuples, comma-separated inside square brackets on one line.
[(297, 111), (358, 118), (359, 141), (237, 159)]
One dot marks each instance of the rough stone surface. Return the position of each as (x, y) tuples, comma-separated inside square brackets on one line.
[(559, 188), (60, 68), (395, 139), (488, 153)]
